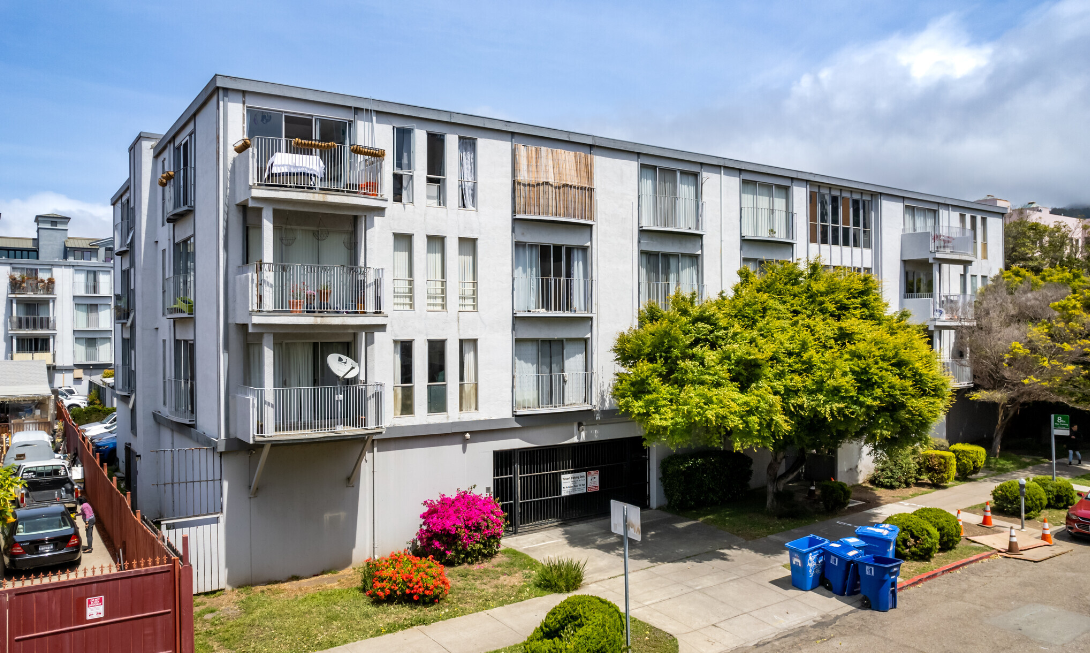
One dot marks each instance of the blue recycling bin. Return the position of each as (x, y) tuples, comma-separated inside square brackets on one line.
[(856, 542), (807, 556), (881, 539), (840, 574), (878, 581)]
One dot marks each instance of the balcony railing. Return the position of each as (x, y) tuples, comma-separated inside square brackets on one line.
[(32, 323), (319, 289), (536, 391), (953, 308), (124, 229), (660, 292), (669, 212), (403, 294), (309, 165), (550, 199), (947, 239), (99, 287), (960, 370), (46, 356), (30, 285), (553, 295), (178, 394), (467, 295), (179, 192), (323, 409), (123, 306), (437, 294), (917, 295), (178, 295), (767, 223)]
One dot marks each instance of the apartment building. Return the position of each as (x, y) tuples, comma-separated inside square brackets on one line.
[(58, 301), (478, 271)]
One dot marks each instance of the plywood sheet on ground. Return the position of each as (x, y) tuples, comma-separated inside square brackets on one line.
[(1040, 553), (999, 541)]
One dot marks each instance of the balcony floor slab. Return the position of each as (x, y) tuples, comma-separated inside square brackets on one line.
[(304, 437), (289, 322), (310, 200)]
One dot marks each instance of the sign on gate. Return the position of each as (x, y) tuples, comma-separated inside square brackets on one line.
[(96, 607), (592, 481), (573, 484)]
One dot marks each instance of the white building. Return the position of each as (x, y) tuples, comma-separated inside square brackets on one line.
[(58, 301), (479, 270)]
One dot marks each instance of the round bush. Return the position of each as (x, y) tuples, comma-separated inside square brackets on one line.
[(705, 478), (835, 495), (940, 444), (404, 577), (1060, 493), (894, 469), (918, 540), (970, 458), (579, 624), (1006, 499), (946, 525), (461, 529), (939, 467)]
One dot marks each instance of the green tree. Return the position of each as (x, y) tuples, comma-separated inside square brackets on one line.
[(798, 358), (10, 484), (1029, 342), (1034, 246)]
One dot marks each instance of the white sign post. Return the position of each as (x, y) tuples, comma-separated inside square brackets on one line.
[(624, 520), (1061, 425)]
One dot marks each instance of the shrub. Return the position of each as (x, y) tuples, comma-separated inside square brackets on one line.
[(894, 469), (705, 478), (560, 575), (579, 624), (918, 540), (404, 577), (1006, 498), (939, 467), (970, 458), (940, 444), (107, 374), (461, 529), (1059, 494), (835, 495), (90, 414), (946, 525)]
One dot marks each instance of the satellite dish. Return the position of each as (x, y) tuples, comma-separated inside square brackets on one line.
[(343, 366)]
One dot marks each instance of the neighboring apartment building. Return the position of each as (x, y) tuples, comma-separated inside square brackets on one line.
[(479, 271), (1034, 212), (58, 301)]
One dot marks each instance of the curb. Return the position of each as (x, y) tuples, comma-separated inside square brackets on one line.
[(953, 566)]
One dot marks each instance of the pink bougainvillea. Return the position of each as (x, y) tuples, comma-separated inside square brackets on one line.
[(463, 528)]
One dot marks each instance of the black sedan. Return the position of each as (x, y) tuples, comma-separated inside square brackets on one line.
[(40, 537)]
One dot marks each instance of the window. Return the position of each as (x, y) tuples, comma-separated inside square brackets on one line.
[(961, 284), (766, 211), (403, 272), (552, 278), (551, 373), (467, 173), (403, 165), (437, 274), (552, 182), (669, 198), (403, 378), (92, 316), (983, 238), (467, 376), (917, 218), (836, 218), (32, 345), (918, 284), (436, 169), (983, 281), (467, 274), (663, 274), (972, 227), (93, 350), (183, 174), (437, 376), (973, 284)]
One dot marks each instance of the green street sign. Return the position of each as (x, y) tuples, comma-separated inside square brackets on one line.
[(1061, 424)]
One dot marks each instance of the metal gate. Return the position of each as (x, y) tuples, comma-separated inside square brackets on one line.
[(190, 488), (206, 549), (541, 485)]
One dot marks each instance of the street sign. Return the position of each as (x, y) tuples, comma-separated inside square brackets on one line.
[(616, 518), (573, 484), (592, 481), (1061, 424)]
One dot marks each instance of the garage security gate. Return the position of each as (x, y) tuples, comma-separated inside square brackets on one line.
[(545, 485)]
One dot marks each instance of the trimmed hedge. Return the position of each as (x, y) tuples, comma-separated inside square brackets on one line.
[(1060, 493), (946, 525), (894, 469), (835, 495), (705, 478), (579, 624), (1006, 498), (90, 414), (940, 444), (970, 458), (918, 540), (939, 467)]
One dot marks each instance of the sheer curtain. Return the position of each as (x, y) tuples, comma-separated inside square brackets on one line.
[(403, 272), (467, 172), (467, 371), (436, 264), (293, 364), (254, 373), (525, 374), (304, 249), (82, 315), (467, 274), (668, 190), (527, 271), (779, 205), (81, 350), (575, 368), (687, 204), (647, 196), (765, 220), (690, 273), (577, 257)]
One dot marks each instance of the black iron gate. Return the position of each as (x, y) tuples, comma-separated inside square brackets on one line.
[(527, 483)]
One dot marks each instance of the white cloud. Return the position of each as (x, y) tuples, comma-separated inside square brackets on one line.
[(89, 220)]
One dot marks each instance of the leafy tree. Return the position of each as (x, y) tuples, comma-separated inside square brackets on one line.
[(798, 358), (1034, 246), (10, 485), (1030, 342)]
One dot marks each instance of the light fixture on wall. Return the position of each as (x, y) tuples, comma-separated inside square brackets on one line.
[(287, 236), (321, 233)]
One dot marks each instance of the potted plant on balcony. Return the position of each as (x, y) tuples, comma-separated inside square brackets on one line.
[(296, 301), (49, 284), (323, 293), (13, 282), (311, 297)]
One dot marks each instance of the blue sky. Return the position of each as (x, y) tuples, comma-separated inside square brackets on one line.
[(962, 99)]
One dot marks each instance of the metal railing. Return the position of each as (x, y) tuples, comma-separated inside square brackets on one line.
[(403, 294), (179, 191), (32, 323), (534, 391), (660, 292), (954, 308), (437, 294), (30, 285), (99, 287), (917, 295), (178, 295), (467, 295), (322, 409), (319, 289), (178, 397), (671, 212), (124, 228), (946, 239), (960, 369), (767, 223), (553, 295), (290, 163)]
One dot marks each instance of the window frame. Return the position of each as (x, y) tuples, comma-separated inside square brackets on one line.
[(476, 173), (441, 178), (408, 289), (399, 383), (471, 284), (403, 174), (462, 383), (439, 285), (438, 389)]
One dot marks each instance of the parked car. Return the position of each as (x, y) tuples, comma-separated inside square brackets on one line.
[(106, 448), (47, 482), (74, 401), (28, 451), (110, 430), (1078, 517), (99, 427), (41, 536), (32, 436)]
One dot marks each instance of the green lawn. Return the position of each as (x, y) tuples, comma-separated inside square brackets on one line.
[(287, 618), (910, 569), (1008, 462), (645, 639), (1081, 480), (747, 518)]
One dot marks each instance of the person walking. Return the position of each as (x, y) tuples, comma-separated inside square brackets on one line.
[(1073, 445), (89, 521)]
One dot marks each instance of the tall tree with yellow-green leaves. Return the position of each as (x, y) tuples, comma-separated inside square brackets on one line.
[(798, 358)]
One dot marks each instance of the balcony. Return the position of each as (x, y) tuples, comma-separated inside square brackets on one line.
[(100, 287), (178, 194), (959, 370), (553, 184), (939, 243), (767, 224), (123, 235), (553, 391), (178, 296), (947, 309), (301, 413), (660, 292), (124, 379), (670, 213), (46, 356), (553, 295), (32, 323), (19, 285), (178, 395), (296, 293), (300, 170), (123, 306)]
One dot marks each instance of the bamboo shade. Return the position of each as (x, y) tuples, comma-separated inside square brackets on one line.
[(553, 182)]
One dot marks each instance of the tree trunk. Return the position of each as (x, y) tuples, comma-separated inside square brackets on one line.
[(1006, 412), (772, 473)]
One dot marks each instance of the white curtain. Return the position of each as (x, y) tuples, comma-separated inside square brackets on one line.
[(575, 377), (687, 204), (467, 259), (668, 190), (293, 364), (779, 199), (403, 257), (104, 316), (253, 244), (580, 294), (525, 374), (332, 251), (468, 376), (82, 315), (527, 272), (303, 249), (690, 273), (81, 350), (254, 372), (467, 172), (647, 195), (764, 199)]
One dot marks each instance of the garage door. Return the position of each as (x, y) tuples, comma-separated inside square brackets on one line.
[(546, 485)]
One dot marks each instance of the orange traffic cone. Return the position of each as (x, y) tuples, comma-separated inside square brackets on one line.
[(987, 514), (961, 525), (1046, 535), (1012, 545)]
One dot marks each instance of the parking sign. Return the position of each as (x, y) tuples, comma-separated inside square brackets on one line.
[(96, 607)]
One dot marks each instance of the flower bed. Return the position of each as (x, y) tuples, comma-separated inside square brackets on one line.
[(404, 577)]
